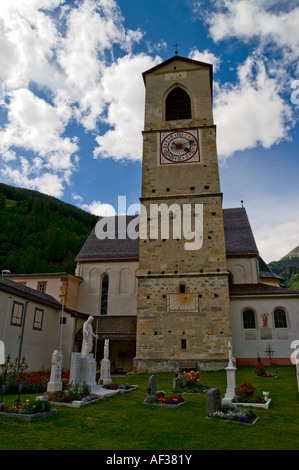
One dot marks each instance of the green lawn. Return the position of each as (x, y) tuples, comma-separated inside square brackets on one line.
[(122, 422)]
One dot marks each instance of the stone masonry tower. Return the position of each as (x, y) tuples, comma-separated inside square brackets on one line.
[(183, 308)]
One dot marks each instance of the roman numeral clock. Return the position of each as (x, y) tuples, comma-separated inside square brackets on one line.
[(179, 147)]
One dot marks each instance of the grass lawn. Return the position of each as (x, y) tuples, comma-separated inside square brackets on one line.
[(122, 422)]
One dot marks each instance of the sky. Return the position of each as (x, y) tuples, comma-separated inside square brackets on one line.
[(72, 100)]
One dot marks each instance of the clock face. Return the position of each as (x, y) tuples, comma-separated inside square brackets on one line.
[(179, 147)]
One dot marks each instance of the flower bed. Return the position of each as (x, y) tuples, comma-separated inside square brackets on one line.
[(76, 396), (28, 410), (245, 397), (232, 413), (161, 399), (261, 371)]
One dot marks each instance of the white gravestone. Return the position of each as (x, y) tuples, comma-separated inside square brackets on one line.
[(2, 353), (230, 378), (105, 377), (55, 384), (75, 368)]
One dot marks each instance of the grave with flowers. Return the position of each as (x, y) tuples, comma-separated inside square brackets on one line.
[(189, 383), (227, 411), (245, 396), (161, 398)]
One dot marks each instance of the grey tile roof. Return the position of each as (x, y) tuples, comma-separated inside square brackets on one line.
[(239, 239), (265, 271), (236, 290)]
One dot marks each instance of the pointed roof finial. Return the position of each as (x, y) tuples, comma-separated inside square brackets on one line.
[(176, 48)]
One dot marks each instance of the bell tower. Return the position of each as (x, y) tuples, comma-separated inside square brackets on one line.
[(183, 308)]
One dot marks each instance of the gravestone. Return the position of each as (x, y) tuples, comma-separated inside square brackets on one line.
[(152, 387), (2, 353), (213, 401), (88, 371), (105, 377), (75, 368), (178, 380), (55, 384)]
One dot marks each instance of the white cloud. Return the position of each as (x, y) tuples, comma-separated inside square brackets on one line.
[(99, 209), (206, 57), (277, 239), (247, 19), (53, 57), (250, 112), (123, 89)]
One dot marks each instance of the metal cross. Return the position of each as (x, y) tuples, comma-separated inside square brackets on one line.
[(176, 48)]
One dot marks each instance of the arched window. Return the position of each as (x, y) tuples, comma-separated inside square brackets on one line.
[(178, 105), (249, 319), (280, 318), (104, 296)]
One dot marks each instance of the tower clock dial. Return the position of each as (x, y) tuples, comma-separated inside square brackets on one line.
[(179, 147)]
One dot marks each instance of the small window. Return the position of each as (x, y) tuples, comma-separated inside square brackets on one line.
[(104, 298), (178, 105), (17, 314), (41, 286), (38, 319), (182, 288), (183, 344), (280, 318), (249, 319)]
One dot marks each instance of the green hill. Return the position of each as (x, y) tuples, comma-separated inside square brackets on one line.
[(288, 268), (39, 233)]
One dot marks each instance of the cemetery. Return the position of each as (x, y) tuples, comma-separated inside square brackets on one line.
[(130, 425)]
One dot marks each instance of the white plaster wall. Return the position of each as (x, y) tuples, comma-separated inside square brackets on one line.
[(244, 270), (122, 293), (37, 346), (248, 343)]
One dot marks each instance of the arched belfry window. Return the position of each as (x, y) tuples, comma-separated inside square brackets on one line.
[(178, 105), (104, 296)]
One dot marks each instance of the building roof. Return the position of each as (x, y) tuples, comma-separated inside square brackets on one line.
[(18, 289), (117, 248), (259, 289), (239, 240), (265, 271)]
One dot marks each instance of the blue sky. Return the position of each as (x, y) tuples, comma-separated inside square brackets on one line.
[(72, 100)]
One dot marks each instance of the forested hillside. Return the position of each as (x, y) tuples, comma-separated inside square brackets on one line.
[(39, 233), (288, 268)]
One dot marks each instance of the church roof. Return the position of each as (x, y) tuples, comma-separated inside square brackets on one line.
[(255, 290), (239, 240), (265, 271)]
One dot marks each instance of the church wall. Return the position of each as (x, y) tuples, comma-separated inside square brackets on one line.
[(243, 269), (248, 343), (122, 287)]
